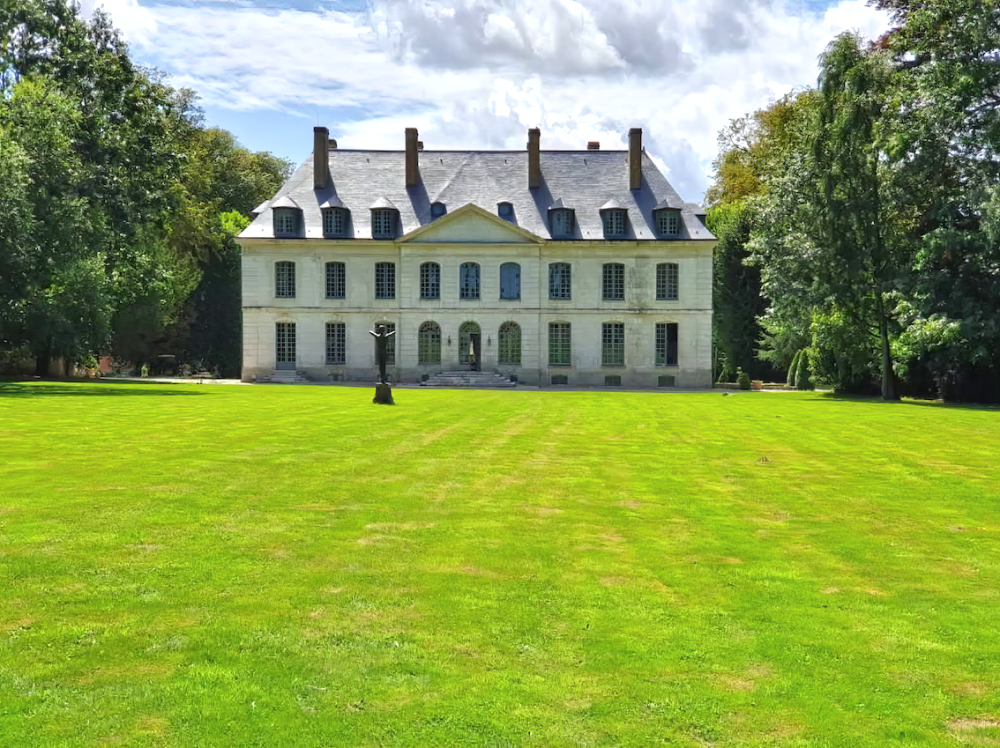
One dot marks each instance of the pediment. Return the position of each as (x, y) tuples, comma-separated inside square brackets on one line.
[(470, 224)]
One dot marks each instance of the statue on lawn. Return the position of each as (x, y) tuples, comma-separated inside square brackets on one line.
[(383, 392)]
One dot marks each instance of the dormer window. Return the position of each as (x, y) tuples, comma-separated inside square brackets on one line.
[(560, 221), (384, 219), (335, 222), (668, 223), (286, 217), (615, 220), (505, 211), (438, 210)]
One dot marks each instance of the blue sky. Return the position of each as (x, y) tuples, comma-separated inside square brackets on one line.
[(479, 73)]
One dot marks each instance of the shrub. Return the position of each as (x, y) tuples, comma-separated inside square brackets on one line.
[(743, 379), (793, 369), (802, 380)]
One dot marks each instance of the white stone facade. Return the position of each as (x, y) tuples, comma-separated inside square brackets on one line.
[(474, 236)]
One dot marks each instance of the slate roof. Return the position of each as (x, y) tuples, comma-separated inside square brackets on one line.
[(583, 180)]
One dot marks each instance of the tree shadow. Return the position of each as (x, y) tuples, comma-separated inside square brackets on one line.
[(908, 402), (104, 388)]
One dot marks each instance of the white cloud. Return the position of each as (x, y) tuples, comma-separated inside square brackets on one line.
[(478, 73)]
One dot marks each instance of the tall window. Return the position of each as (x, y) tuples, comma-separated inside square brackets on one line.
[(510, 281), (383, 223), (284, 345), (613, 344), (614, 281), (666, 281), (666, 344), (614, 223), (385, 280), (429, 344), (668, 222), (468, 280), (336, 280), (465, 333), (284, 280), (509, 343), (559, 344), (334, 222), (430, 281), (336, 344), (559, 280), (390, 348)]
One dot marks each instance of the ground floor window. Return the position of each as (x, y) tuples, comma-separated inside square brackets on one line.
[(666, 344), (509, 344), (559, 344), (336, 343), (613, 344), (284, 345), (429, 344)]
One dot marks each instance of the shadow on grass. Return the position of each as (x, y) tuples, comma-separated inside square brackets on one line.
[(869, 399), (50, 388)]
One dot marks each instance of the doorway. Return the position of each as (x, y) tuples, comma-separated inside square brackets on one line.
[(284, 346)]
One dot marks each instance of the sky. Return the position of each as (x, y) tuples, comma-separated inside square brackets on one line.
[(476, 74)]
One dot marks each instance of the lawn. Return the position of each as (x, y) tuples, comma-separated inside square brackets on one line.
[(185, 565)]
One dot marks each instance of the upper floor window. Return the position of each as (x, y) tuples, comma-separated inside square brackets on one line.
[(667, 281), (284, 280), (510, 281), (336, 280), (383, 223), (468, 280), (561, 223), (505, 211), (559, 280), (668, 222), (614, 282), (430, 280), (385, 280), (438, 210), (286, 221), (334, 222), (614, 220)]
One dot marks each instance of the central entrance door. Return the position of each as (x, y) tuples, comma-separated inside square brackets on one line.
[(284, 345), (470, 346)]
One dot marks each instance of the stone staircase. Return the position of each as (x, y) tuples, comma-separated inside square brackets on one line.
[(285, 376), (465, 378)]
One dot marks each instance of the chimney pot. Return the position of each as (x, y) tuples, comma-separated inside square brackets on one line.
[(321, 157), (594, 145), (635, 158), (412, 162), (534, 158), (333, 144)]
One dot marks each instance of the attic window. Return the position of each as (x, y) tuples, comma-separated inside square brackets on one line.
[(334, 222), (383, 223), (286, 221), (668, 222), (614, 223), (505, 211), (438, 210), (561, 223)]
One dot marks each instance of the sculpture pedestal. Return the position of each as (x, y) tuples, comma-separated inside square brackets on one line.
[(383, 395)]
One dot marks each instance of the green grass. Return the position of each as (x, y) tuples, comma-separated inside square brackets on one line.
[(191, 565)]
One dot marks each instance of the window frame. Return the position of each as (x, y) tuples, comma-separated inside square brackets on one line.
[(613, 344), (430, 281), (336, 344), (429, 343), (560, 281), (560, 344), (284, 279), (469, 281), (509, 344), (331, 217), (385, 287), (515, 294), (285, 222), (334, 283), (666, 344), (613, 281), (615, 223), (665, 220), (668, 288), (565, 231), (384, 221)]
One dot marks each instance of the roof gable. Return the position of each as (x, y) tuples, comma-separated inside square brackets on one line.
[(470, 224)]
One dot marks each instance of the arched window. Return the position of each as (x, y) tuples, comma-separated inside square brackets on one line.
[(510, 281), (509, 343), (284, 280), (468, 281), (430, 280), (429, 344), (465, 333)]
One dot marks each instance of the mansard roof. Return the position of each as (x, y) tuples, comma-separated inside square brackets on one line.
[(585, 181)]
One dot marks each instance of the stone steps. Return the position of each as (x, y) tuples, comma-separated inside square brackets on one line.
[(477, 379), (285, 377)]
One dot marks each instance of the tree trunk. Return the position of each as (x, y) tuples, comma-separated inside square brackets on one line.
[(888, 380)]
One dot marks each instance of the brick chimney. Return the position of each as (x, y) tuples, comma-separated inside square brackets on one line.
[(412, 164), (594, 145), (321, 157), (534, 158), (635, 158)]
